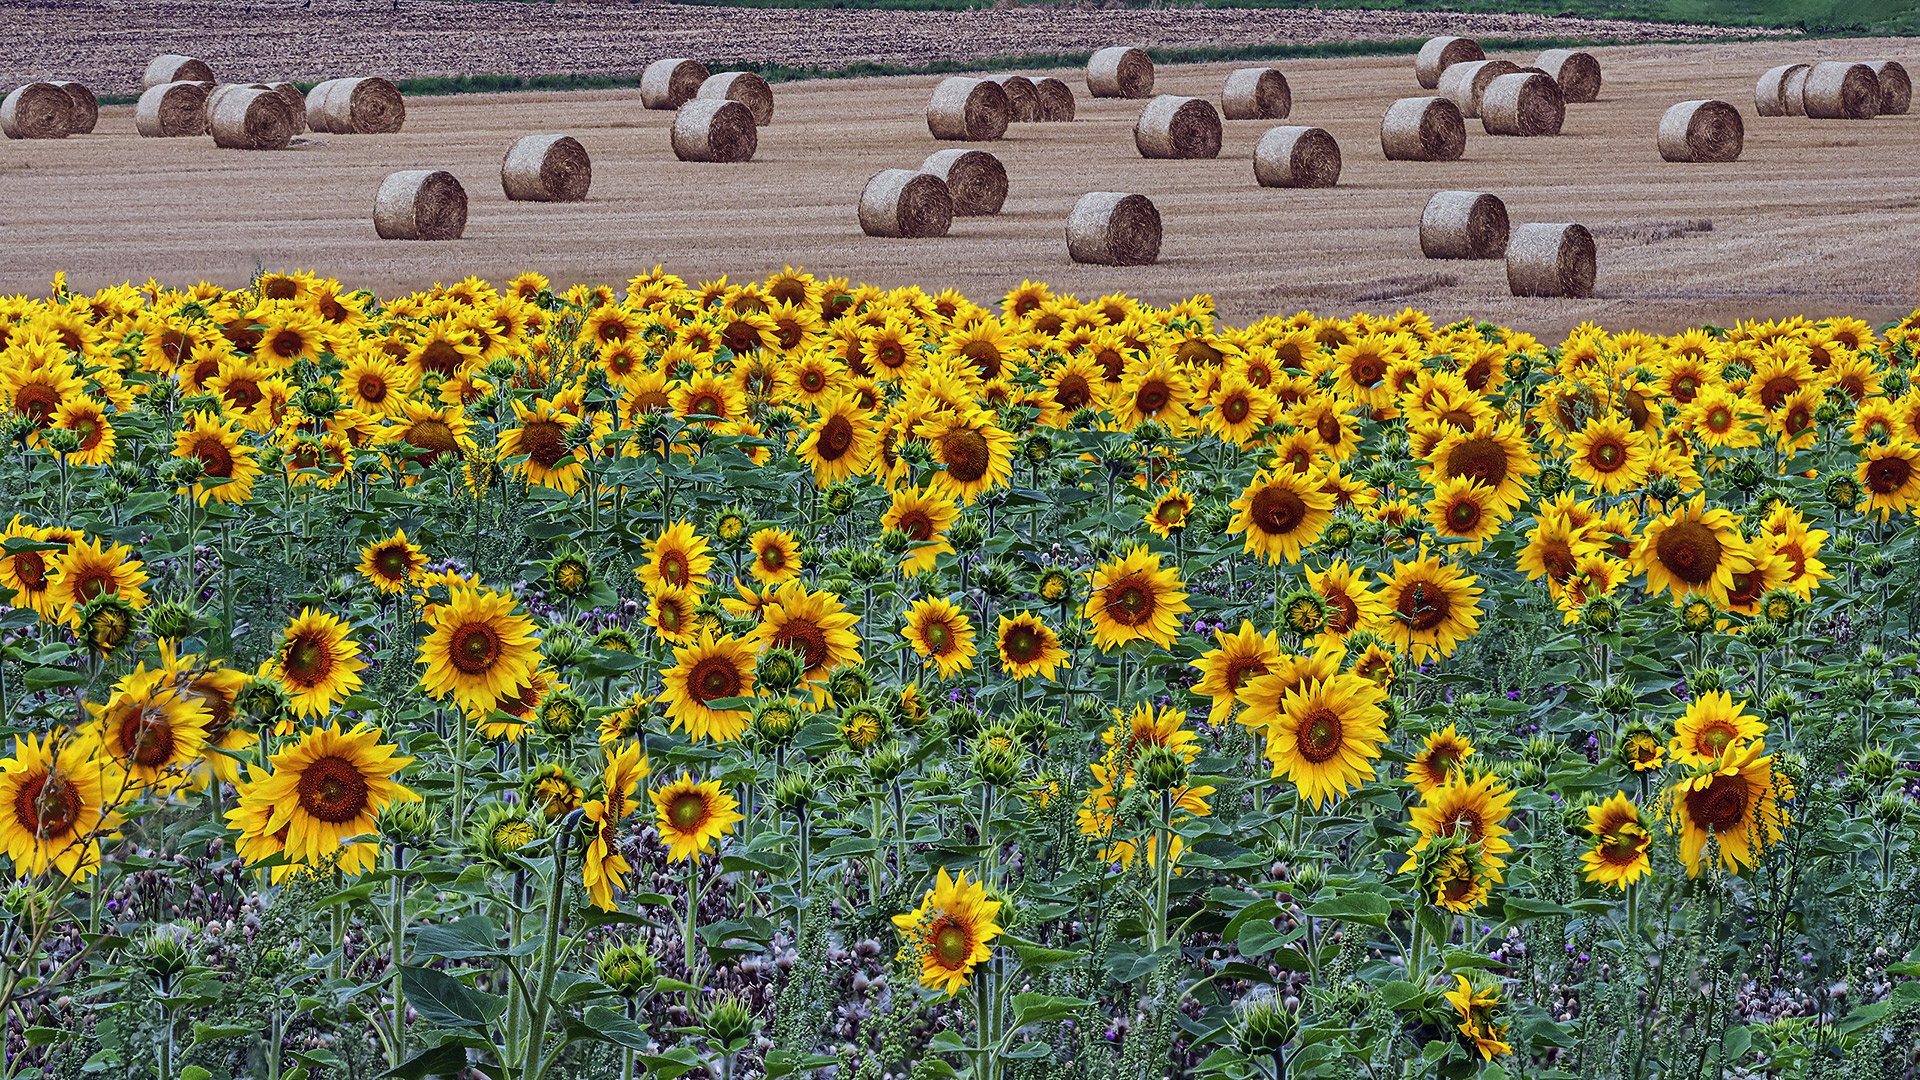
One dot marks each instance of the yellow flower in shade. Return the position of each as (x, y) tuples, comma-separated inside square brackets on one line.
[(603, 868), (54, 792), (974, 453), (842, 441), (328, 786), (1029, 647), (816, 625), (1464, 509), (392, 564), (1326, 736), (950, 933), (1135, 598), (1693, 550), (776, 556), (941, 634), (1713, 724), (1281, 512), (1610, 455), (90, 568), (26, 573), (673, 614), (1556, 546), (1235, 660), (542, 437), (478, 649), (1474, 809), (318, 662), (1889, 478), (1458, 885), (1475, 1008), (620, 781), (1445, 752), (1643, 751), (1620, 843), (1735, 802), (149, 730), (693, 817), (1169, 512), (924, 515), (1431, 607), (223, 455), (677, 558), (712, 670)]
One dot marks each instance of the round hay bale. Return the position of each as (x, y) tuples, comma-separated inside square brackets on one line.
[(1120, 72), (1550, 260), (671, 83), (1702, 131), (172, 67), (1465, 83), (420, 204), (1112, 228), (546, 168), (1770, 93), (1300, 157), (1795, 90), (215, 93), (975, 180), (369, 106), (85, 111), (1896, 88), (296, 104), (171, 111), (1023, 98), (1441, 53), (1259, 93), (38, 110), (1423, 129), (1523, 104), (1055, 98), (744, 87), (905, 204), (1178, 127), (1578, 73), (1837, 90), (715, 129), (968, 110), (246, 119), (1464, 225), (318, 117)]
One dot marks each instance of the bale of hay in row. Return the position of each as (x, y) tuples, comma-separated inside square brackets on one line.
[(1577, 73), (668, 84), (715, 129), (1441, 53), (1778, 93), (1107, 228), (1423, 129), (1550, 260), (171, 111), (1112, 228), (362, 106), (248, 118), (1023, 97), (1175, 127), (1704, 130), (1297, 157), (85, 113), (976, 180), (1464, 225), (905, 204), (38, 110), (1120, 72), (744, 87), (420, 204), (546, 168), (290, 94), (969, 110), (1465, 84), (1834, 90), (1524, 103), (1257, 93), (172, 67), (1896, 87), (1057, 105)]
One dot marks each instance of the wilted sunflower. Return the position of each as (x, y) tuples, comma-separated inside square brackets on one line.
[(816, 625), (1735, 802), (1445, 752), (950, 933), (1693, 549), (478, 649), (776, 556), (603, 868), (328, 786), (692, 817), (1281, 512), (1431, 607), (974, 453), (1135, 598), (318, 662), (1471, 809), (712, 670), (1326, 735), (1620, 845), (677, 558), (1235, 660), (54, 794), (392, 564), (1029, 647), (941, 634)]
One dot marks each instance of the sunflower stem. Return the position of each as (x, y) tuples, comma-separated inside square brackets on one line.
[(397, 916), (549, 950), (693, 913)]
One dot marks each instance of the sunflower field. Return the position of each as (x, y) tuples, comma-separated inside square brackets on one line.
[(800, 678)]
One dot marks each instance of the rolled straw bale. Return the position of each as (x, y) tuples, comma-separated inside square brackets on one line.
[(1301, 157), (1837, 90), (975, 180), (318, 118), (671, 83), (744, 87), (85, 112), (1466, 83), (1120, 72), (38, 110), (247, 119), (546, 168), (420, 204), (1550, 260), (714, 129), (1256, 93), (1441, 53), (1464, 225), (1056, 100), (1522, 104), (905, 204), (1701, 131), (1112, 228), (1023, 98), (1795, 89), (968, 110), (1178, 127), (369, 106), (1896, 88), (1770, 93), (296, 104), (1577, 72), (171, 111), (220, 90), (1423, 129), (172, 67)]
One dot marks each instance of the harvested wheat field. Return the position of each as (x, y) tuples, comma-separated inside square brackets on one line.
[(1815, 216)]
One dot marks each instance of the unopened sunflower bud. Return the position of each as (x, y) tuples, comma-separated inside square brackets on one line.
[(627, 968), (1266, 1027), (779, 670)]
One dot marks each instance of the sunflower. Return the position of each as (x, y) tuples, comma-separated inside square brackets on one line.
[(89, 569), (842, 441), (1464, 509), (713, 669), (87, 419), (328, 786), (318, 663), (692, 817), (950, 933), (376, 383), (941, 634), (1135, 598), (603, 869), (1155, 390), (478, 649), (816, 625), (1239, 408), (677, 558), (1351, 605), (1785, 530), (25, 572), (1475, 1008), (1170, 512), (1235, 660), (543, 436), (1889, 478), (149, 730), (1473, 810), (392, 564), (1444, 754), (55, 794), (1029, 647), (1431, 607), (1693, 550), (1281, 512), (776, 556), (924, 515), (975, 454), (1735, 802), (1619, 855), (1326, 735), (1495, 454)]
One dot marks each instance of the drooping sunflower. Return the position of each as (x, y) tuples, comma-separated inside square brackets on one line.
[(941, 634), (1475, 1008), (318, 662), (1135, 598), (149, 730), (91, 568), (1474, 809), (816, 625), (1621, 842), (1889, 478), (1444, 754), (328, 786), (924, 515), (1735, 802), (678, 558), (711, 670), (603, 869), (1431, 607), (776, 556), (433, 430), (392, 564), (974, 452), (54, 792), (950, 933), (1326, 736), (692, 817), (478, 649), (1280, 512), (1235, 660), (1029, 647), (842, 441), (1693, 549)]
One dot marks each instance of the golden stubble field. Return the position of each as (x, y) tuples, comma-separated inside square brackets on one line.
[(1817, 216)]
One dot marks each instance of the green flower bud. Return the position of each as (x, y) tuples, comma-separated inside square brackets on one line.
[(1266, 1027), (779, 670), (627, 968)]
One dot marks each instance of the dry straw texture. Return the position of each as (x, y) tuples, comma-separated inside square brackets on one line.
[(1795, 91), (1578, 73), (1837, 90), (172, 111), (172, 67), (1770, 93), (420, 204), (243, 118), (1441, 53), (1464, 225), (1300, 157), (1055, 98), (296, 104), (968, 110), (1178, 127), (1523, 104), (1423, 129), (1112, 228), (38, 110), (85, 112), (370, 106), (1702, 131), (744, 87), (1257, 93), (1023, 98), (1120, 72), (546, 168), (1466, 83), (708, 129), (1550, 260), (1896, 87), (975, 180), (671, 83), (905, 204)]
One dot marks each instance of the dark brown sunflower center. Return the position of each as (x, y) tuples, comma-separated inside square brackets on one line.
[(1716, 738), (1442, 760), (1277, 511), (806, 639), (544, 442), (1721, 805), (1776, 390), (392, 562), (1464, 823), (433, 436), (1130, 602), (1690, 551), (308, 659), (218, 705), (332, 789), (1073, 393), (440, 358), (90, 583), (1022, 644), (1367, 370), (1241, 669), (1423, 606), (147, 737), (813, 380), (1685, 388), (966, 454), (773, 557), (215, 458), (47, 810), (242, 394), (1480, 457), (1152, 397), (1888, 474), (1463, 515), (1320, 736), (1236, 408), (31, 569), (474, 648), (1607, 456), (836, 438), (288, 344), (916, 524), (1620, 850), (713, 678)]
